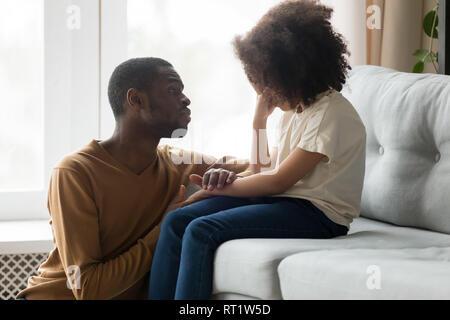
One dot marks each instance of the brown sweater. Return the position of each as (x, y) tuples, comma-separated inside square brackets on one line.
[(106, 220)]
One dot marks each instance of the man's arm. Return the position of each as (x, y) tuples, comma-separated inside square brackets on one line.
[(251, 170), (226, 162), (191, 162), (76, 230)]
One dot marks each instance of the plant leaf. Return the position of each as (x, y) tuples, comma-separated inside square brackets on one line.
[(428, 24), (424, 56), (418, 68)]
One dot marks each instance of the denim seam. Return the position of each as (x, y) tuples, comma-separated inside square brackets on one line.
[(201, 268)]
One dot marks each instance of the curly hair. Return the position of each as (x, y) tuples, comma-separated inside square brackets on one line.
[(294, 51)]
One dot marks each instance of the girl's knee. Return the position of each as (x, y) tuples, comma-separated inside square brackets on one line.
[(176, 218), (200, 229)]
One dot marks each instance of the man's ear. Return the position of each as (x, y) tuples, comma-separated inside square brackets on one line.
[(134, 98)]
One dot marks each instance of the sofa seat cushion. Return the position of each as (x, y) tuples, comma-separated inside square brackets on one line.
[(367, 274), (249, 266), (231, 296)]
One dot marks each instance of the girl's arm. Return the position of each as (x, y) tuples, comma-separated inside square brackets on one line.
[(297, 165), (260, 155)]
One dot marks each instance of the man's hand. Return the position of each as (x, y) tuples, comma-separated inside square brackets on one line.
[(211, 179), (197, 196), (214, 178)]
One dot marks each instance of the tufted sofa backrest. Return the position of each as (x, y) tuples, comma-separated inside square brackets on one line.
[(407, 119)]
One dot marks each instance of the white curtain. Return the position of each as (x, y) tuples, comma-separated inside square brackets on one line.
[(349, 19)]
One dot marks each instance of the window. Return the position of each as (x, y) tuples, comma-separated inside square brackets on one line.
[(21, 89)]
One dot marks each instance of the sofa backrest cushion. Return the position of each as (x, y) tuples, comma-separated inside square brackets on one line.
[(407, 119)]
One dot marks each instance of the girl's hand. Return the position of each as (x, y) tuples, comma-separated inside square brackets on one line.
[(265, 106), (214, 178)]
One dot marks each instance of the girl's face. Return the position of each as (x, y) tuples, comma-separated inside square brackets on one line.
[(283, 105), (256, 88)]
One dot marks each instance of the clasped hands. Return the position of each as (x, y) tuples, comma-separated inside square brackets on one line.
[(212, 179)]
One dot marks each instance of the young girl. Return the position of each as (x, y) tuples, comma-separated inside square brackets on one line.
[(312, 186)]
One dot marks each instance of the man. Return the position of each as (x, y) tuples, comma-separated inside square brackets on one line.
[(107, 201)]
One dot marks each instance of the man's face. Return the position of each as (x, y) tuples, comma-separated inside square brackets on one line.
[(166, 106)]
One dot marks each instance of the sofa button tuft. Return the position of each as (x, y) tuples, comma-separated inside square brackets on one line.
[(381, 151), (437, 157)]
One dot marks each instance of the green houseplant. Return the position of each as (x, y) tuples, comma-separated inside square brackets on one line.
[(430, 27)]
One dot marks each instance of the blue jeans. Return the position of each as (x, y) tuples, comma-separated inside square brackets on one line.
[(183, 262)]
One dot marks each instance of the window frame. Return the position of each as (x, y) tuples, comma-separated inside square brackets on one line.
[(71, 88)]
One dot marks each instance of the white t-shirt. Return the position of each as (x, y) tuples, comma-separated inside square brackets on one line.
[(330, 126)]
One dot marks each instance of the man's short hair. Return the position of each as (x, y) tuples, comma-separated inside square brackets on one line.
[(135, 73)]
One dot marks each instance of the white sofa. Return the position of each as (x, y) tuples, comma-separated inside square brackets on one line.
[(400, 246)]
